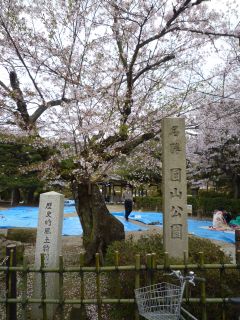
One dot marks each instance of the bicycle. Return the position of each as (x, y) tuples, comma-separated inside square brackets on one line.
[(235, 302), (163, 300)]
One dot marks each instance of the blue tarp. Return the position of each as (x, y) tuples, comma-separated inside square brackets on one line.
[(128, 226), (195, 227), (148, 217), (19, 217), (28, 217), (72, 227), (144, 217), (69, 203), (200, 229)]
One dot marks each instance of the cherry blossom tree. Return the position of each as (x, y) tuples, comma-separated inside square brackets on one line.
[(97, 77), (144, 167), (214, 151), (214, 147)]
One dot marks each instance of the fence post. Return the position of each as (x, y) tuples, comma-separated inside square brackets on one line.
[(154, 266), (118, 284), (149, 268), (137, 279), (166, 261), (24, 289), (61, 291), (81, 263), (237, 244), (43, 288), (203, 288), (185, 259), (222, 276), (11, 282), (98, 287)]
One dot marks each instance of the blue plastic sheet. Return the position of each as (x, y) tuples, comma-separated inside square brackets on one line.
[(200, 229), (151, 218), (128, 226), (155, 218), (21, 217), (72, 227), (195, 227), (69, 203), (27, 217)]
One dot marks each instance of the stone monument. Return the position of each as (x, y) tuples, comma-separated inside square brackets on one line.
[(175, 234), (48, 242)]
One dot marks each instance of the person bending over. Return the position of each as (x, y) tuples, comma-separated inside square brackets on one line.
[(218, 220)]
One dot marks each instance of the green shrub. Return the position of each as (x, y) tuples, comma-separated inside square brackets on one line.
[(208, 205), (235, 206), (194, 202), (148, 203), (22, 235), (127, 251), (205, 203), (212, 194)]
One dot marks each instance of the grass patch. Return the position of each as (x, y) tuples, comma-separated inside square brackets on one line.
[(24, 235)]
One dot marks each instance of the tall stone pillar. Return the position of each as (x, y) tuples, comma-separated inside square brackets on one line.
[(48, 242), (175, 234)]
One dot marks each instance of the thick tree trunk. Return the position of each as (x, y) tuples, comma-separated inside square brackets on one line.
[(236, 186), (100, 228)]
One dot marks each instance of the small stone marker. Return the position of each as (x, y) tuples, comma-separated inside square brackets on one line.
[(48, 242), (189, 209), (175, 235)]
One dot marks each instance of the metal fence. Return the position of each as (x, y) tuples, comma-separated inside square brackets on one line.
[(9, 298)]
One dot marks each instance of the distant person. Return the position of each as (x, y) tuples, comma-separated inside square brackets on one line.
[(128, 201), (219, 221)]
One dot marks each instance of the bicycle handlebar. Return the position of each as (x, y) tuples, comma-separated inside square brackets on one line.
[(191, 278), (234, 300), (200, 279)]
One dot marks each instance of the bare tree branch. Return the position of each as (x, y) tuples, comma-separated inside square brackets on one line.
[(47, 105), (4, 87), (21, 58), (119, 42), (208, 33), (154, 65)]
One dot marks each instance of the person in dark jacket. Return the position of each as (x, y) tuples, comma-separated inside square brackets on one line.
[(128, 201)]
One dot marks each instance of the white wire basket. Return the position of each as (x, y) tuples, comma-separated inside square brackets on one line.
[(159, 301)]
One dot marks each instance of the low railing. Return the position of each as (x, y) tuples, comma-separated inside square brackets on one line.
[(150, 269)]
